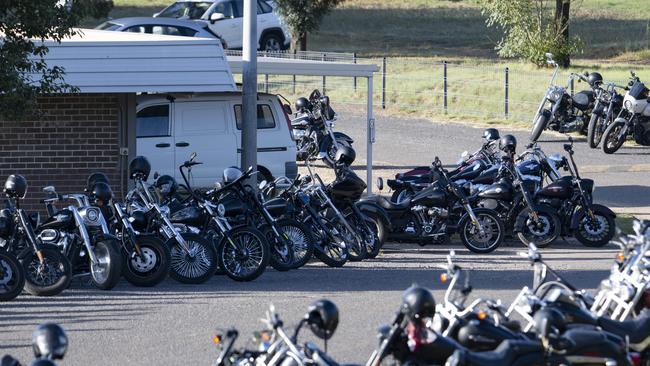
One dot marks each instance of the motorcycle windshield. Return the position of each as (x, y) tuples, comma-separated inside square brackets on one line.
[(638, 91)]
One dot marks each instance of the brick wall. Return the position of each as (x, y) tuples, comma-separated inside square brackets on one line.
[(77, 135)]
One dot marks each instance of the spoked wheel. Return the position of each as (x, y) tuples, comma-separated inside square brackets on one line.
[(281, 249), (106, 273), (332, 249), (197, 264), (596, 231), (151, 266), (368, 230), (355, 243), (245, 255), (595, 130), (540, 228), (483, 239), (301, 239), (614, 137), (12, 277), (47, 278)]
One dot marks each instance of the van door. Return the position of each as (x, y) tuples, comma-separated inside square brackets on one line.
[(154, 139), (204, 128), (272, 136), (230, 28)]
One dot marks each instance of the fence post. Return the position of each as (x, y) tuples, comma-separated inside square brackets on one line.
[(294, 76), (444, 85), (383, 83), (324, 78), (354, 80), (266, 76), (505, 99)]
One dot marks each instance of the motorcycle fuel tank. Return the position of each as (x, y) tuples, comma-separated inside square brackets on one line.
[(61, 220), (498, 191), (561, 188), (432, 196)]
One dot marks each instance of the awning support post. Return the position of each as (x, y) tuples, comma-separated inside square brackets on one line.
[(371, 138)]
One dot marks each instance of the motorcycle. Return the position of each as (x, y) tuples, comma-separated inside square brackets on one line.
[(313, 129), (565, 113), (193, 258), (634, 119), (571, 196), (438, 211), (608, 105), (46, 270), (81, 233)]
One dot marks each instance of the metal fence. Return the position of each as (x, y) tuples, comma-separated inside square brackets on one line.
[(419, 85)]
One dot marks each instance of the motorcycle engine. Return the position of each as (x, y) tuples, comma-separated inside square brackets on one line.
[(429, 218), (492, 204), (55, 237)]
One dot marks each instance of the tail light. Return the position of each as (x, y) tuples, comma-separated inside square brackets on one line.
[(635, 358)]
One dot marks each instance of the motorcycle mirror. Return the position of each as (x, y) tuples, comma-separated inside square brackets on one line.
[(567, 147), (325, 101), (262, 184), (287, 109), (49, 189), (465, 155), (193, 156), (218, 185), (380, 183), (156, 175)]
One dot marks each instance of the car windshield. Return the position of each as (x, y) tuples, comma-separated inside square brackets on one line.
[(108, 26), (186, 9)]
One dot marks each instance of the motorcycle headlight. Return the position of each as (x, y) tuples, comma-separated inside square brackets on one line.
[(91, 216), (555, 95), (628, 105), (221, 209)]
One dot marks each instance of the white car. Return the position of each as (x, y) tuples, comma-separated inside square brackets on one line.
[(171, 127), (225, 18)]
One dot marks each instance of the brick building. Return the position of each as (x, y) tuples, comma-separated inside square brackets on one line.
[(94, 130)]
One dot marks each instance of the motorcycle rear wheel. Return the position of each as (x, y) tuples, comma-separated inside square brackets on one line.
[(12, 277)]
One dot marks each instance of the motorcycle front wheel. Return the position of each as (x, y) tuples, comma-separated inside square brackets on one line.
[(332, 249), (484, 241), (245, 255), (12, 277), (368, 230), (596, 231), (50, 277), (541, 122), (541, 231), (595, 130), (106, 273), (151, 267), (281, 248), (197, 264), (301, 239), (613, 139), (355, 244)]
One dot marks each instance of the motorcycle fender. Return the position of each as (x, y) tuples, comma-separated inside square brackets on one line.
[(578, 215), (327, 141), (342, 136), (523, 215), (369, 206), (396, 184), (620, 119), (600, 110)]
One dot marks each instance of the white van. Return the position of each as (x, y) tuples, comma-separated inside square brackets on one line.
[(170, 127)]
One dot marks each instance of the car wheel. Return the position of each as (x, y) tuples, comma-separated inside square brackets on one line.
[(271, 42)]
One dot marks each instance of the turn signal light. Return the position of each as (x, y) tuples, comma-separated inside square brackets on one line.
[(216, 339), (481, 315), (620, 257), (443, 277)]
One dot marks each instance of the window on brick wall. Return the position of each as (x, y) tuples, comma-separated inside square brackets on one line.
[(153, 121)]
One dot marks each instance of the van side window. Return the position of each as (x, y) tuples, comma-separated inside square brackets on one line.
[(153, 121), (265, 118)]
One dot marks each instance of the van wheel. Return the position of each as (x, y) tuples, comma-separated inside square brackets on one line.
[(271, 42)]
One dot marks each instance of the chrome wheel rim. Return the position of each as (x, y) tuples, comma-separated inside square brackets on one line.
[(100, 270), (194, 263), (44, 274), (243, 256), (594, 230), (486, 239), (299, 241), (146, 261), (272, 44)]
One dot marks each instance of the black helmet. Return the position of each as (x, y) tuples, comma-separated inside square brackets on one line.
[(139, 166), (508, 144), (491, 134), (345, 155), (302, 104), (166, 185), (418, 303), (16, 186), (101, 192), (231, 174), (549, 320), (323, 318), (50, 341), (95, 178), (595, 79)]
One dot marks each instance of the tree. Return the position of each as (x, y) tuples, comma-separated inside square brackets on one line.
[(304, 16), (24, 25), (531, 29)]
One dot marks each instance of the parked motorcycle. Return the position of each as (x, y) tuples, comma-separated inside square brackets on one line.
[(438, 211), (81, 233), (608, 105), (193, 258), (47, 271), (12, 276), (313, 129), (592, 224), (145, 257), (633, 120), (565, 112)]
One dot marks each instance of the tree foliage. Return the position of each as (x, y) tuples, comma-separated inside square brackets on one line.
[(532, 28), (304, 16), (24, 25)]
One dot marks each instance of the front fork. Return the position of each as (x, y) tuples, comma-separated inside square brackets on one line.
[(126, 226), (84, 234), (473, 217), (29, 231)]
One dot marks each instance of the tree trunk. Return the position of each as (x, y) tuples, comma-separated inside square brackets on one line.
[(562, 10), (299, 42)]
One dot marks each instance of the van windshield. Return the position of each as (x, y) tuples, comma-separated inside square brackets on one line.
[(186, 9)]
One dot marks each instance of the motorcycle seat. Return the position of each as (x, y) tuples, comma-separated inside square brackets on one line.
[(638, 329), (505, 354), (387, 204)]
